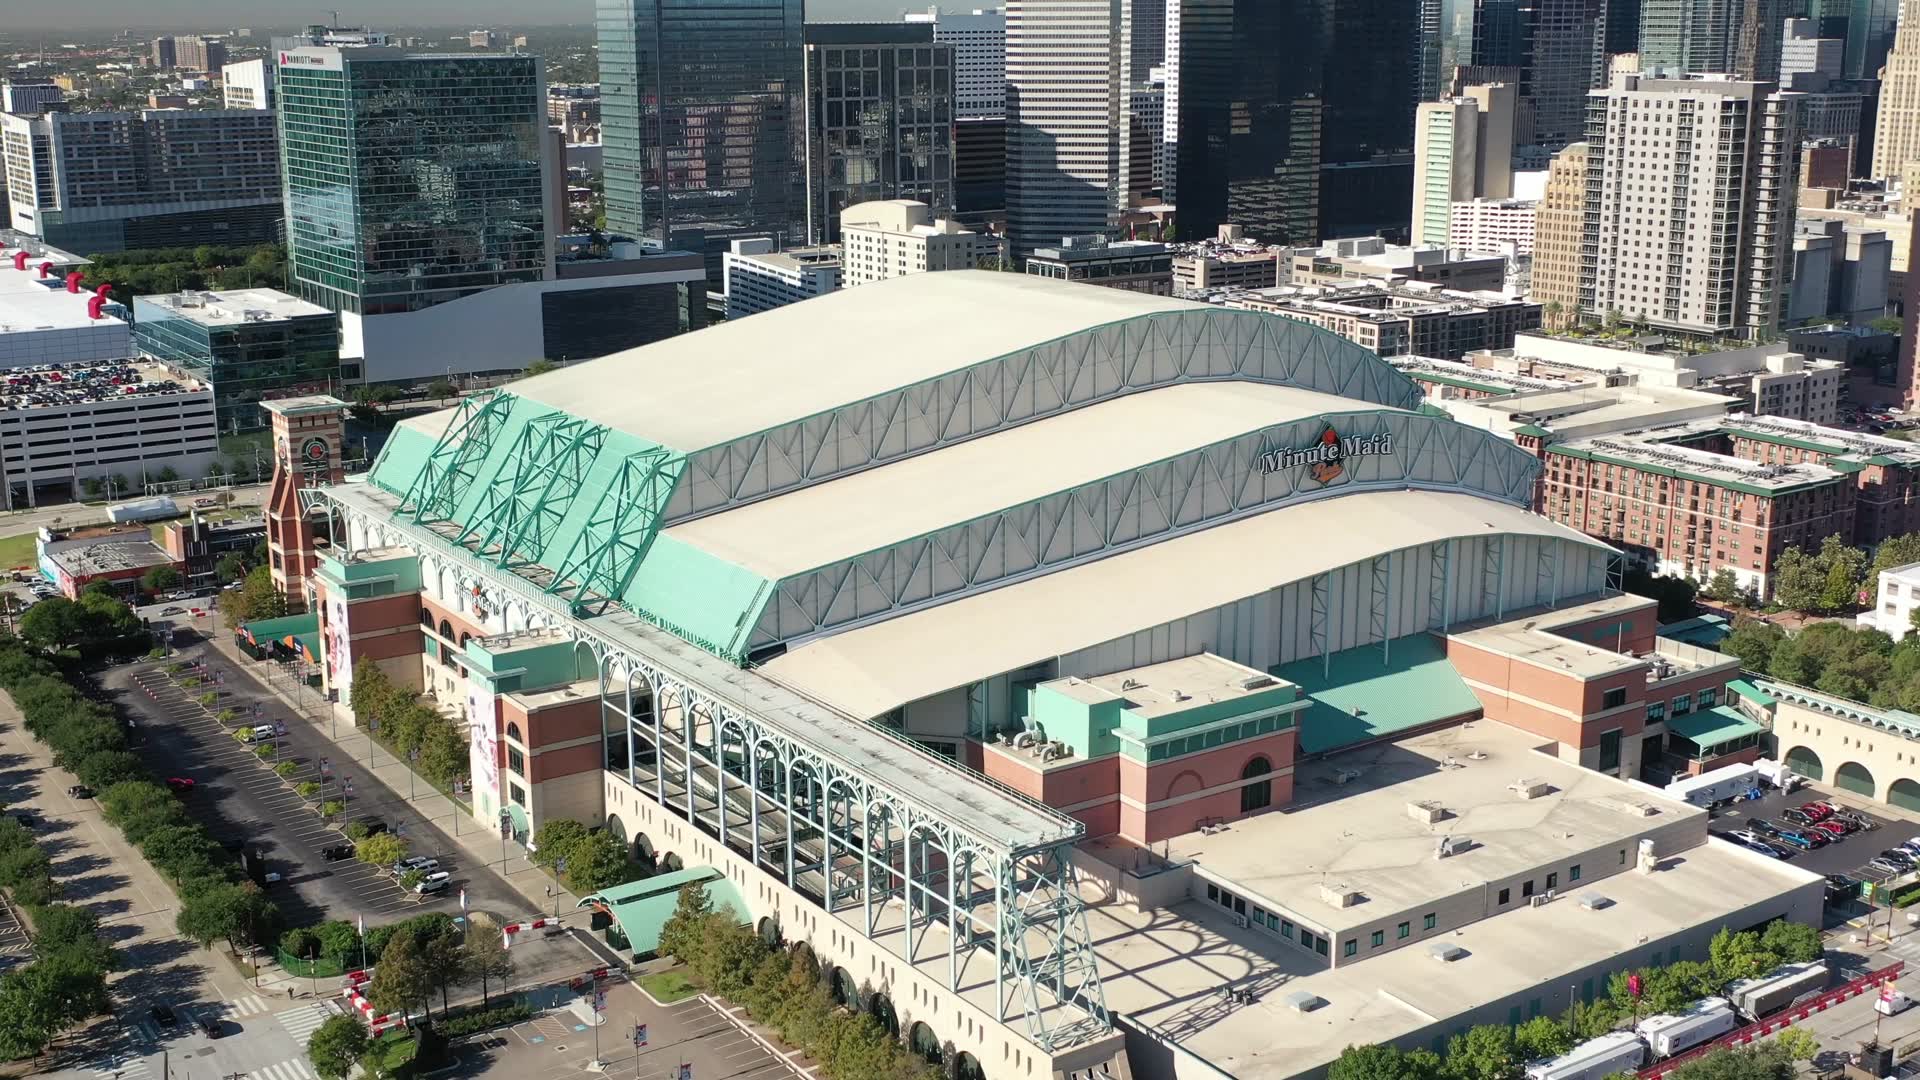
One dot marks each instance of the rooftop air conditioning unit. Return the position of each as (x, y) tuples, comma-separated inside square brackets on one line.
[(1339, 895), (1530, 787), (1593, 901), (1302, 1001), (1446, 953), (1426, 811)]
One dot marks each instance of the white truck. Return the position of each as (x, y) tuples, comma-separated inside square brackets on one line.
[(1615, 1052), (1777, 989), (1670, 1034)]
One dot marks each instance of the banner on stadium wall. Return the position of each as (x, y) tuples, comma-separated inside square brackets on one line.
[(339, 651), (483, 742)]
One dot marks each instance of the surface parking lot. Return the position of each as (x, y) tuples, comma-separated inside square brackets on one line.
[(1848, 856)]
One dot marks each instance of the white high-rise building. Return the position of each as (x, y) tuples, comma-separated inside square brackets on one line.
[(30, 98), (1690, 203), (1803, 50), (896, 237), (759, 277), (1493, 225), (247, 85), (979, 40), (1068, 144), (1462, 150)]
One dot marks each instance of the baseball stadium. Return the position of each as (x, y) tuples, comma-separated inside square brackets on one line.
[(1062, 663)]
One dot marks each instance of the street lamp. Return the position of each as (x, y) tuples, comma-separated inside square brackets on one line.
[(413, 759), (506, 826)]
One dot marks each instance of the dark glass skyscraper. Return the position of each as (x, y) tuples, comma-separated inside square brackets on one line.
[(411, 179), (701, 120), (879, 120)]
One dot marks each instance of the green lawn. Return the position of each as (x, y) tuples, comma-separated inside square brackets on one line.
[(16, 551), (668, 987)]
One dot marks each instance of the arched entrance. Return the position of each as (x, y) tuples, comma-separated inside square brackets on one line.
[(845, 990), (921, 1040), (769, 930), (1905, 794), (672, 862), (643, 851), (617, 829), (1854, 777), (1807, 763), (967, 1067), (1258, 795), (881, 1007)]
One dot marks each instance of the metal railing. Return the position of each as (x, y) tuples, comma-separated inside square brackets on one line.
[(1786, 1018)]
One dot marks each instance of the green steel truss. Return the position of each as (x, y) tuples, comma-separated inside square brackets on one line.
[(601, 561), (531, 490), (454, 464)]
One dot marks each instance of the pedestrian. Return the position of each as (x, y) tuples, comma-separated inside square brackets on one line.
[(289, 993)]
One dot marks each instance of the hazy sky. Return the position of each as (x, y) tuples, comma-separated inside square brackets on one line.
[(25, 14)]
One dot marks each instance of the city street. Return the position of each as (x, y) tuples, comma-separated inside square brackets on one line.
[(68, 515)]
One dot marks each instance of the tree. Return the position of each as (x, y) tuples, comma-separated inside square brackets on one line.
[(443, 753), (1590, 1020), (1673, 594), (232, 567), (52, 624), (239, 913), (1765, 1061), (1895, 551), (1887, 324), (446, 965), (1542, 1037), (1798, 580), (1798, 1043), (556, 840), (540, 367), (598, 861), (336, 1047), (381, 849), (1846, 569), (256, 598), (1754, 643), (441, 390), (487, 958), (1792, 942), (1724, 587), (1376, 1062), (401, 980), (1739, 955), (160, 579), (681, 934), (1485, 1052)]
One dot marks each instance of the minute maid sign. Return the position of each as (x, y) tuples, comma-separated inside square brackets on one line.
[(1325, 458)]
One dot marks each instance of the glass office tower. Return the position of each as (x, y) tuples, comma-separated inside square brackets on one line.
[(701, 120), (412, 179), (250, 345), (879, 120)]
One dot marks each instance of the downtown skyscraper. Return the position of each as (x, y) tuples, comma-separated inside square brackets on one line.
[(1896, 140), (1068, 69), (701, 119)]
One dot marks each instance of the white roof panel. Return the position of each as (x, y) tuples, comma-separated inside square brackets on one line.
[(870, 670), (820, 525), (737, 378)]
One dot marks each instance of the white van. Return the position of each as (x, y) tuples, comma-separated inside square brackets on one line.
[(434, 883), (263, 731)]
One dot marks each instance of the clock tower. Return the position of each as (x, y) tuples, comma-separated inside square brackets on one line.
[(309, 436)]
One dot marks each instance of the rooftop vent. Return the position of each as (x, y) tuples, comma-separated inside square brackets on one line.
[(1302, 1001), (1594, 901), (1339, 895), (1530, 788), (1452, 845), (1254, 682), (1634, 807), (1446, 953), (1427, 811)]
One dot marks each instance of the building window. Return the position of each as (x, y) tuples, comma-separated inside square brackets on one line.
[(1286, 929), (1553, 880), (1259, 794), (1351, 947), (516, 761), (1683, 705), (1320, 945), (1403, 931), (1610, 750), (513, 732), (1708, 698), (1526, 889), (1378, 939), (1614, 698), (517, 794), (1506, 895), (1656, 711), (1433, 919)]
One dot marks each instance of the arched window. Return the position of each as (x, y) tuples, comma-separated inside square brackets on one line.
[(1258, 795), (513, 732), (464, 638), (426, 618), (446, 629)]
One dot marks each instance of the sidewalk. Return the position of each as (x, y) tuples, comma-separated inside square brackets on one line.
[(481, 843)]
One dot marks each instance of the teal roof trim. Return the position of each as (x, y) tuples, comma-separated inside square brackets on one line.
[(1751, 692), (1712, 727), (1898, 721), (401, 458), (1411, 688), (697, 596)]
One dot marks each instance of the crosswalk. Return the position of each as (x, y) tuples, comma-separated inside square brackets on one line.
[(133, 1068), (291, 1069), (303, 1021), (250, 1005)]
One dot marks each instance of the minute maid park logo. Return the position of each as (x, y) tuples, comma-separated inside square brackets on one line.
[(1326, 457)]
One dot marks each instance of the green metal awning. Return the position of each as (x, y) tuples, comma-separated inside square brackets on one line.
[(1711, 727), (263, 631), (308, 644), (642, 907), (1751, 692)]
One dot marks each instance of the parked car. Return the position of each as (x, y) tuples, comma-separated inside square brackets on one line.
[(1883, 866), (210, 1027), (180, 785), (172, 611), (1805, 841), (79, 791), (337, 852), (1762, 827), (206, 502), (434, 883), (1816, 810), (1794, 816), (163, 1015), (1899, 857), (416, 862), (1832, 828)]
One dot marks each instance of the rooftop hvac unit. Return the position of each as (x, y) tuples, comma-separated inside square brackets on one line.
[(1302, 1001), (1339, 895), (1594, 901), (1530, 787), (1254, 682), (1452, 845), (1446, 953), (1426, 811)]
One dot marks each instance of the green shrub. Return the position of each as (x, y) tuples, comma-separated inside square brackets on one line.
[(307, 789), (332, 808), (263, 751), (227, 716), (207, 699), (287, 768), (485, 1020)]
